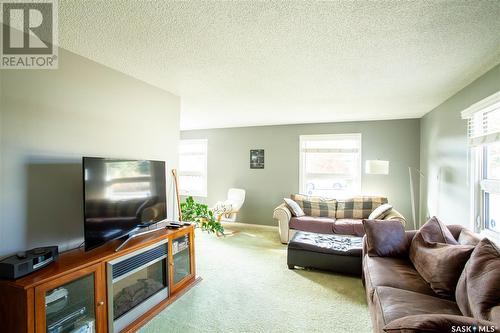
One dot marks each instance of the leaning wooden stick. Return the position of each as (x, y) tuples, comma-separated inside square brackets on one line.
[(174, 174)]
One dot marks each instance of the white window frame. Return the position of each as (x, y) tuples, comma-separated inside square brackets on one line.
[(302, 138), (479, 138), (479, 185), (203, 174)]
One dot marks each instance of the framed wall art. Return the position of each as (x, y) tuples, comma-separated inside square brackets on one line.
[(257, 159)]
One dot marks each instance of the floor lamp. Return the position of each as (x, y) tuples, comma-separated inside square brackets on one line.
[(412, 194), (378, 167)]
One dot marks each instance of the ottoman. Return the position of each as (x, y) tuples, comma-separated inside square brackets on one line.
[(332, 252)]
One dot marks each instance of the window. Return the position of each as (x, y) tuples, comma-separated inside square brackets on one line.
[(193, 167), (330, 165), (484, 141), (128, 179), (490, 186)]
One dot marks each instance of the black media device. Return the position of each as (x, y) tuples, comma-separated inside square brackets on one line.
[(121, 197), (23, 263), (175, 225)]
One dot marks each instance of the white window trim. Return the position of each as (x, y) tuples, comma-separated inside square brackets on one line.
[(325, 137), (476, 153), (481, 106), (204, 192), (479, 133), (478, 184), (476, 167)]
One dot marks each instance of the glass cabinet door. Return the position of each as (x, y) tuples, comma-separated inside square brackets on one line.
[(181, 255), (69, 304)]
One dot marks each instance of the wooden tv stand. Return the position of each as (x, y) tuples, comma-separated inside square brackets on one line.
[(22, 301)]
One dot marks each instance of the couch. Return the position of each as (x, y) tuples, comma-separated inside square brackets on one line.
[(345, 216), (396, 292)]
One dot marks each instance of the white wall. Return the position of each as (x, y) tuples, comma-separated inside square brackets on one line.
[(444, 153), (2, 107), (49, 120)]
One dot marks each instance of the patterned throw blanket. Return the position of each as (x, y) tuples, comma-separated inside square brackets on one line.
[(336, 242)]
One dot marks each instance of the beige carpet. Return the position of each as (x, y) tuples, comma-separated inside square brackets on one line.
[(247, 287)]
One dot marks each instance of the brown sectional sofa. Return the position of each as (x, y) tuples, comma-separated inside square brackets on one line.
[(394, 288)]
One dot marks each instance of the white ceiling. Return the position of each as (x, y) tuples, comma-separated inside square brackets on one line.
[(260, 63)]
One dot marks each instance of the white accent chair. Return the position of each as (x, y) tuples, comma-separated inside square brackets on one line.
[(228, 210)]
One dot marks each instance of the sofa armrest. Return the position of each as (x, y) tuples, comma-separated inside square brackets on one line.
[(283, 215), (365, 247), (395, 215)]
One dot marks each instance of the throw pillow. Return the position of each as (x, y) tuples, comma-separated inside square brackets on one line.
[(358, 207), (434, 323), (316, 206), (435, 231), (380, 212), (385, 238), (438, 258), (478, 290), (440, 265), (294, 207)]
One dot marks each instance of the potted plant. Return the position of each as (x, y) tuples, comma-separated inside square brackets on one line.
[(199, 213)]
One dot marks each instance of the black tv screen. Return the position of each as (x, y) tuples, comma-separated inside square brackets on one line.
[(120, 196)]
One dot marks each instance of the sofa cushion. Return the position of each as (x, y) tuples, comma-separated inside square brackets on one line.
[(380, 212), (393, 272), (349, 227), (393, 303), (438, 262), (385, 238), (316, 206), (294, 207), (441, 265), (321, 225), (437, 323), (358, 207), (478, 290)]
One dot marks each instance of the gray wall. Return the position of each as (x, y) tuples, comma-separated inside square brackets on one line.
[(49, 120), (2, 106), (443, 153), (228, 162)]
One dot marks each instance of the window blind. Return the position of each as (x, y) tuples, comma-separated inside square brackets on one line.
[(330, 164), (483, 121)]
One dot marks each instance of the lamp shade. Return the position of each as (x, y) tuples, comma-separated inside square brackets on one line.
[(377, 167)]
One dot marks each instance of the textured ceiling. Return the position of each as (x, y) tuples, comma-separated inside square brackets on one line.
[(255, 63)]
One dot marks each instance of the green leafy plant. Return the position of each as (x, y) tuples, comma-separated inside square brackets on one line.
[(199, 213)]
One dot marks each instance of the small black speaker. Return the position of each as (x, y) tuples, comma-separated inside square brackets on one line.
[(23, 263)]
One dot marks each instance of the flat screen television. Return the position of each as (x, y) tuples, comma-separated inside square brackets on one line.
[(120, 197)]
